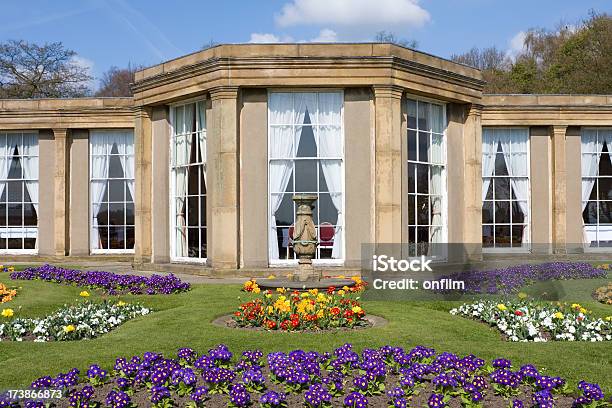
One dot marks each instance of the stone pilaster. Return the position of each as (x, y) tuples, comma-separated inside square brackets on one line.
[(559, 204), (60, 238), (388, 164), (224, 178), (142, 172), (472, 153)]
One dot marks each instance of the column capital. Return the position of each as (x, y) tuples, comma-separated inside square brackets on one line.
[(60, 133), (559, 130), (388, 91), (475, 110), (223, 92)]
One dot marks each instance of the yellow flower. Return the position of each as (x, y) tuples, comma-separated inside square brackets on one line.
[(356, 309), (608, 318), (320, 313), (268, 295), (501, 307), (346, 288), (7, 313), (575, 306), (558, 315), (256, 289), (11, 269), (69, 328), (314, 292), (522, 295), (305, 295), (84, 294), (281, 290), (270, 310), (341, 292), (583, 310), (121, 303)]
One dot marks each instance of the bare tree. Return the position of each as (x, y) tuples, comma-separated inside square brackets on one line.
[(210, 44), (41, 71), (117, 81), (390, 37), (487, 58)]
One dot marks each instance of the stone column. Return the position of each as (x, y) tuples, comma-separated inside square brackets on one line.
[(559, 204), (61, 193), (388, 164), (142, 174), (79, 194), (223, 178), (472, 153)]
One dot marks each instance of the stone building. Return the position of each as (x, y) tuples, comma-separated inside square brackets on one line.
[(196, 171)]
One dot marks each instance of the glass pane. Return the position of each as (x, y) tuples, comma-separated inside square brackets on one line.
[(411, 177), (116, 237), (423, 111), (116, 214), (330, 176), (307, 146), (605, 188), (436, 210), (330, 141), (281, 142), (103, 234), (2, 215), (436, 149), (283, 239), (193, 242), (423, 210), (437, 118), (203, 211), (489, 195), (502, 236), (605, 212), (15, 168), (517, 213), (502, 212), (115, 169), (305, 176), (519, 164), (422, 179), (193, 207), (15, 243), (412, 113), (203, 246), (327, 210), (502, 188), (29, 243), (500, 165), (589, 215), (116, 190), (487, 212), (412, 234), (284, 214), (14, 214), (411, 210), (487, 236), (103, 214), (129, 237), (29, 215), (517, 234), (412, 145), (423, 146), (15, 191)]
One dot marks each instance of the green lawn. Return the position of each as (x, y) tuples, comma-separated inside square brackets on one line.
[(184, 320)]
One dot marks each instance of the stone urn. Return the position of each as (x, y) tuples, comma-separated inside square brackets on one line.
[(305, 237)]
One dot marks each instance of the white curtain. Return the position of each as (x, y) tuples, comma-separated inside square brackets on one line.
[(436, 205), (29, 163), (605, 135), (99, 174), (330, 146), (281, 147), (183, 119), (5, 157), (202, 139), (515, 144), (590, 162)]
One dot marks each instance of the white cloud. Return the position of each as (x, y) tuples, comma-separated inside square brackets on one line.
[(326, 35), (352, 13), (517, 44), (86, 64), (268, 38)]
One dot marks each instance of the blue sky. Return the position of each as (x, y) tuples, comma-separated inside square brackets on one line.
[(145, 32)]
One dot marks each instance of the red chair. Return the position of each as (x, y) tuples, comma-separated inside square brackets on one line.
[(326, 235)]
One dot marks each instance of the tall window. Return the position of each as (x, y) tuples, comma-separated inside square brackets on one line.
[(112, 190), (189, 182), (306, 154), (18, 192), (426, 175), (597, 187), (505, 187)]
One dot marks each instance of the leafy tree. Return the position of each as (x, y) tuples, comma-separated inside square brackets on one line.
[(41, 71), (117, 81), (389, 37)]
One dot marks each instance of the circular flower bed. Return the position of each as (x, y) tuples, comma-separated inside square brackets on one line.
[(311, 310), (604, 294), (83, 321), (388, 376), (6, 294), (112, 283), (529, 321)]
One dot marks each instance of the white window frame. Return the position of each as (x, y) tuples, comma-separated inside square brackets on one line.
[(316, 262), (586, 245), (101, 251), (444, 165), (172, 184), (525, 247), (26, 232)]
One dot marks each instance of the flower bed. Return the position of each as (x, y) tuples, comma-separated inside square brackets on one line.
[(529, 321), (511, 279), (112, 283), (6, 294), (312, 310), (83, 321), (604, 294), (388, 376)]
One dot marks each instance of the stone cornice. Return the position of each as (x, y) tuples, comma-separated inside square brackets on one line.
[(86, 113)]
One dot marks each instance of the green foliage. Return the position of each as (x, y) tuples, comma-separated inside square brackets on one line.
[(575, 60)]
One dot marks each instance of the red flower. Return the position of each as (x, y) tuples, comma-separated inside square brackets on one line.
[(295, 323), (330, 290), (334, 310), (271, 324), (237, 314), (294, 316), (285, 324), (518, 313)]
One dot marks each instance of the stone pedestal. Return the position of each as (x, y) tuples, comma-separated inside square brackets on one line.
[(305, 237)]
